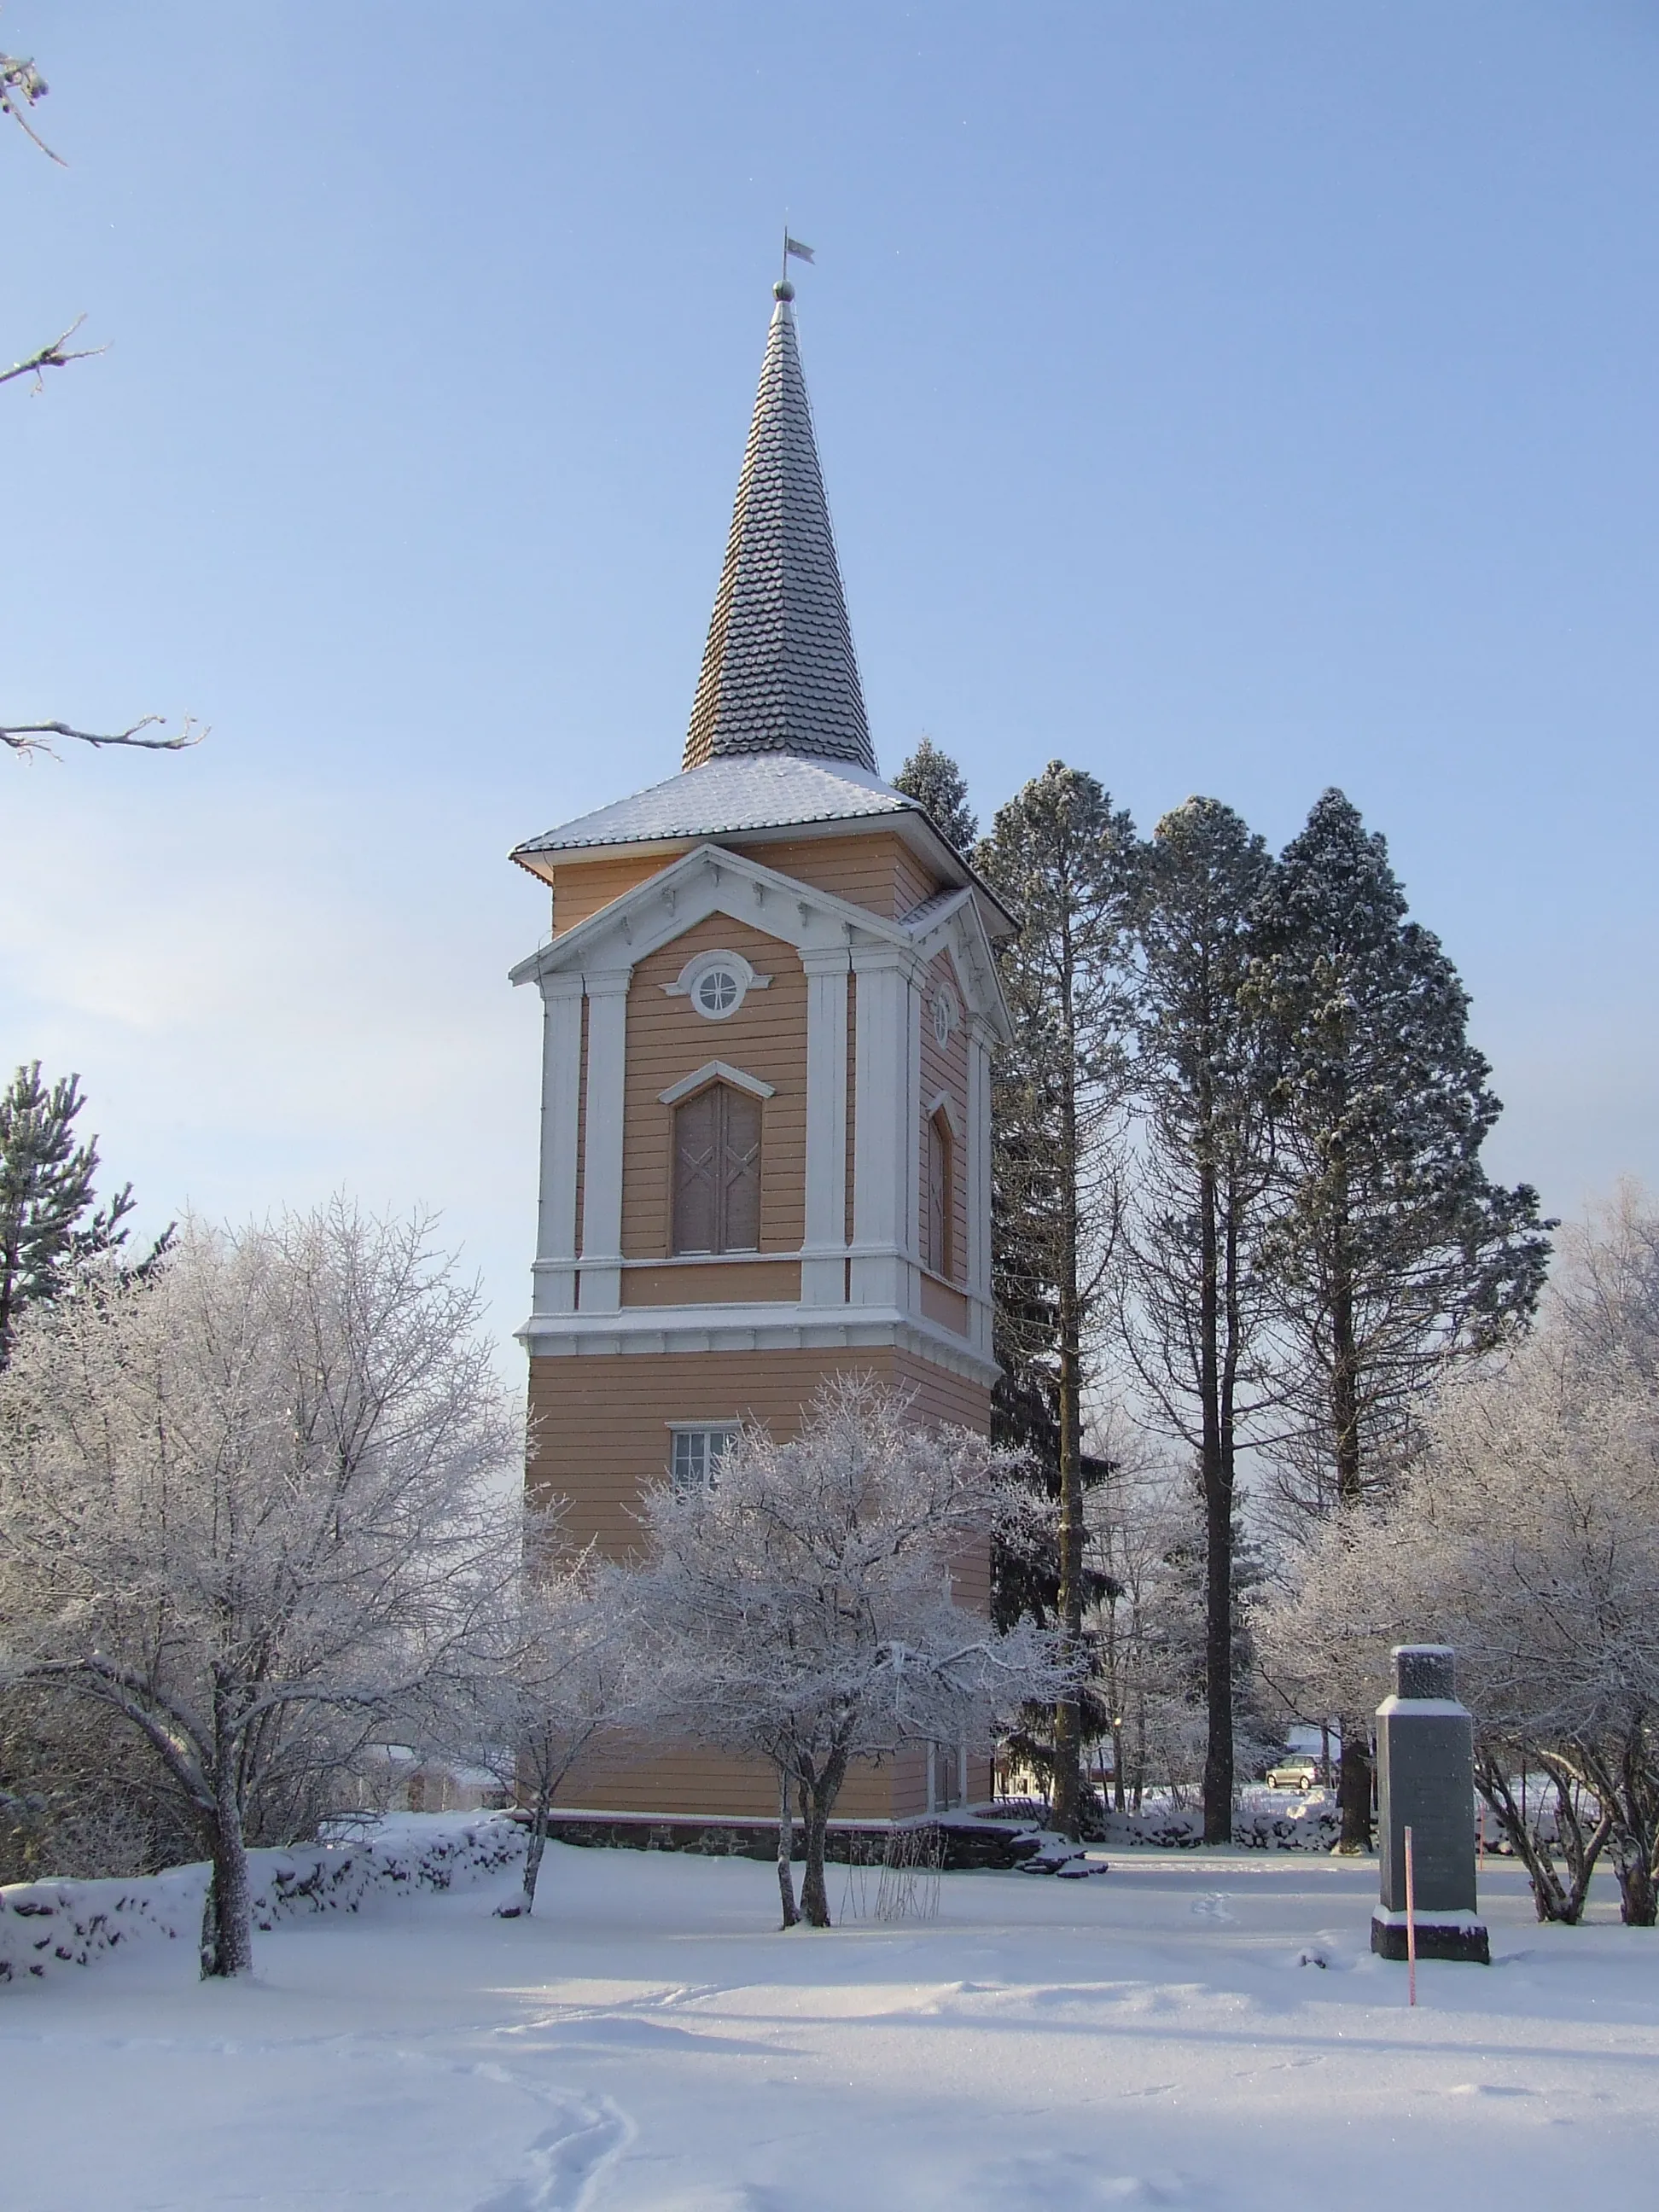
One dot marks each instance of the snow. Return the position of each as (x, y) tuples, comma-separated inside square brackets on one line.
[(1202, 2029)]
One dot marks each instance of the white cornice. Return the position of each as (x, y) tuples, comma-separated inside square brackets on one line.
[(757, 1326)]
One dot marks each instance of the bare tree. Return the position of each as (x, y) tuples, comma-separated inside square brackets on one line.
[(246, 1507), (799, 1608), (21, 89)]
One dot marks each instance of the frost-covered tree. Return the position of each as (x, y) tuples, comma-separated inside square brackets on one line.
[(564, 1683), (932, 778), (1392, 1250), (249, 1508), (798, 1608), (1062, 857), (47, 1220), (1527, 1535), (1194, 1303)]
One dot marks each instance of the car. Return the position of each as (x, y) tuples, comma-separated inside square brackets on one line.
[(1294, 1774)]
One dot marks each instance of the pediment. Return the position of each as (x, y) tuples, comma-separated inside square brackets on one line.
[(713, 880), (709, 881)]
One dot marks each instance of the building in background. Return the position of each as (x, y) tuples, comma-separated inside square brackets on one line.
[(770, 1002)]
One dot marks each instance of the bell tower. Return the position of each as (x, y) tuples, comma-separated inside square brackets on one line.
[(769, 1002)]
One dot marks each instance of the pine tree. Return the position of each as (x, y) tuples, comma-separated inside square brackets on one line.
[(932, 778), (1392, 1250), (1193, 1300), (45, 1194), (1063, 859)]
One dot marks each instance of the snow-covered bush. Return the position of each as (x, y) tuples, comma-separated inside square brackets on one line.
[(46, 1927)]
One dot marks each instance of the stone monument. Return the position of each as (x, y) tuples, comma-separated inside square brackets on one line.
[(1425, 1783)]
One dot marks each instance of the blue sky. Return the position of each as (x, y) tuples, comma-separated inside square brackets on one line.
[(1235, 399)]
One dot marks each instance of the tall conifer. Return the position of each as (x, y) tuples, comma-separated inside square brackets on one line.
[(932, 778), (45, 1194), (1392, 1250), (1062, 857), (1193, 1302)]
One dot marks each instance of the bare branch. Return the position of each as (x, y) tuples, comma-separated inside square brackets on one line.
[(52, 356), (31, 737), (22, 86)]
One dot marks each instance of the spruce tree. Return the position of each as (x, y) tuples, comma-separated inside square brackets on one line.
[(46, 1195), (1062, 858), (932, 778), (1194, 1301), (1392, 1248)]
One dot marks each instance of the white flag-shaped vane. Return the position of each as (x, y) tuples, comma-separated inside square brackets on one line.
[(792, 246)]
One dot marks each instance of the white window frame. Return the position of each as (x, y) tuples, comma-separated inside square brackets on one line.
[(692, 1453), (687, 984)]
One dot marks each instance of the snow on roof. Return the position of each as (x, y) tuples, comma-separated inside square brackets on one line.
[(753, 791)]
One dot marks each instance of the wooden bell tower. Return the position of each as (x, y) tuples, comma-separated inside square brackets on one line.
[(770, 1004)]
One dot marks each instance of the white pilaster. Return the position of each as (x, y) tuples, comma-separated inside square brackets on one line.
[(883, 1122), (824, 1250), (602, 1166), (553, 1275), (978, 1148)]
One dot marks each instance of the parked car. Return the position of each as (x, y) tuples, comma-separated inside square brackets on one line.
[(1295, 1774)]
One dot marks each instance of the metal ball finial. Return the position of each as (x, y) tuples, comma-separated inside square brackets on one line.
[(783, 289)]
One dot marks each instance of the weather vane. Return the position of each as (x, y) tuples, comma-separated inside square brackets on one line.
[(792, 246)]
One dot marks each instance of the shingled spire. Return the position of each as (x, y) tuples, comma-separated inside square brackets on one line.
[(779, 672)]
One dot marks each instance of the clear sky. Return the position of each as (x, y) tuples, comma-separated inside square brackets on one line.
[(1227, 398)]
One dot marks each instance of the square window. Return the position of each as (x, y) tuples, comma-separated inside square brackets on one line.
[(696, 1456)]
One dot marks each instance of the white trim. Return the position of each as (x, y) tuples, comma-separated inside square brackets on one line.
[(823, 1268), (762, 1326), (978, 1166), (601, 1169), (880, 1125), (715, 1071), (946, 1105), (684, 985), (554, 1274)]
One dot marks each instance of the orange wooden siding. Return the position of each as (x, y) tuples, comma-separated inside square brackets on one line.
[(581, 888), (667, 1041), (876, 869)]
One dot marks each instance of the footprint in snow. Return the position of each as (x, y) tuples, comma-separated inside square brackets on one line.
[(1212, 1906), (562, 2165)]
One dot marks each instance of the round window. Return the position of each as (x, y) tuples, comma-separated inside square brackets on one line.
[(944, 1019), (717, 992)]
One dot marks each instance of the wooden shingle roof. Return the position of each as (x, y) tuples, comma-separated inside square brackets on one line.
[(779, 671)]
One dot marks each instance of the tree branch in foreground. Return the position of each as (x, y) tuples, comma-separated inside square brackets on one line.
[(22, 86), (52, 356), (32, 737)]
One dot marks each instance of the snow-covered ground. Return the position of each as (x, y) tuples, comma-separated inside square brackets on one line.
[(1161, 2035)]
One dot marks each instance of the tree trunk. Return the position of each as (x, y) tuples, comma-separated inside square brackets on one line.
[(1345, 1361), (1638, 1900), (228, 1909), (533, 1849), (1354, 1788), (1067, 1814), (822, 1793), (1218, 1527), (785, 1847)]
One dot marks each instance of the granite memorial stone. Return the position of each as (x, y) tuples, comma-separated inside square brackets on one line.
[(1425, 1783)]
